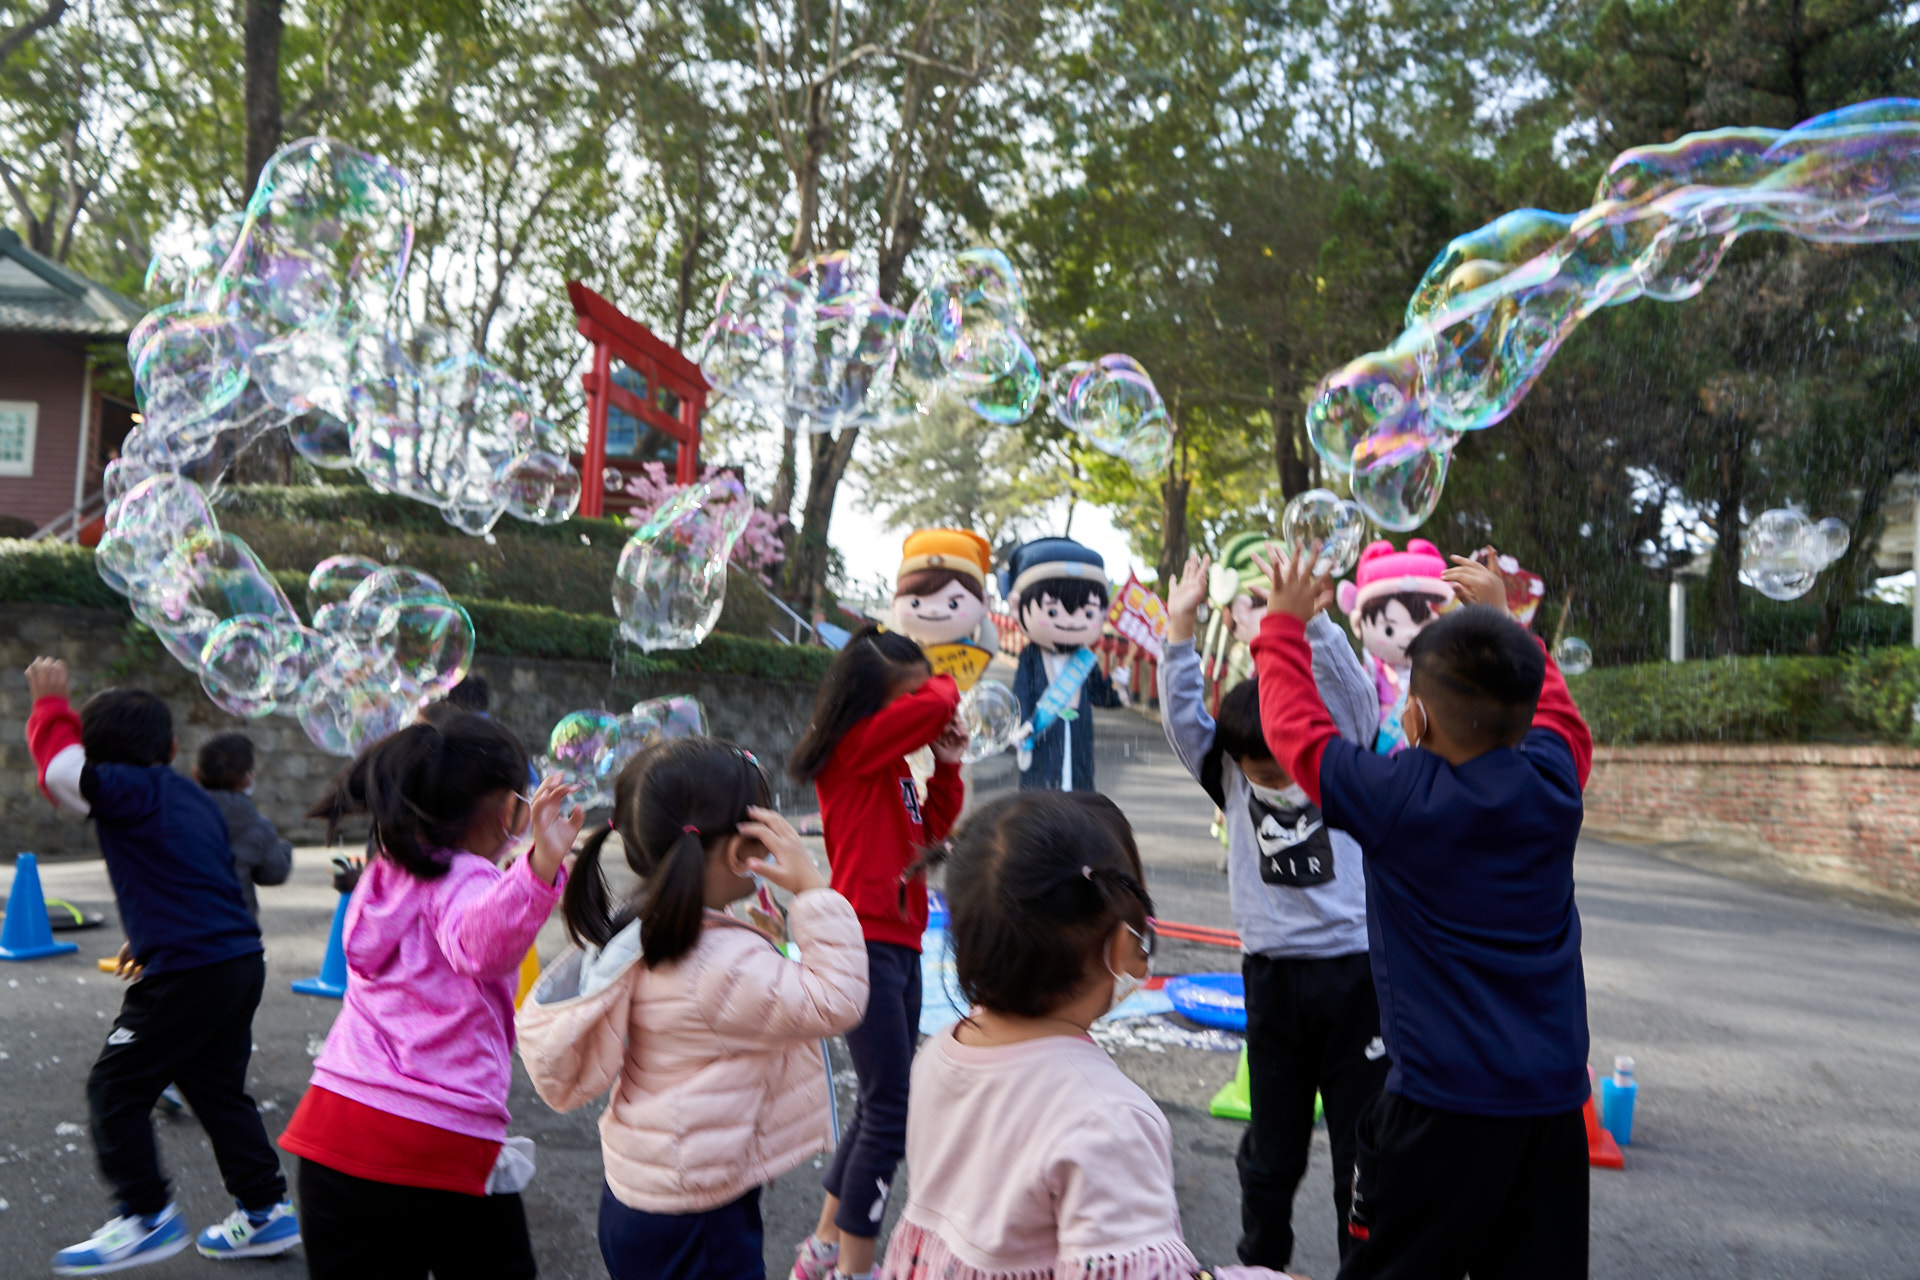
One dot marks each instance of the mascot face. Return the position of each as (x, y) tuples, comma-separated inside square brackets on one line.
[(940, 617), (1386, 631), (1052, 625)]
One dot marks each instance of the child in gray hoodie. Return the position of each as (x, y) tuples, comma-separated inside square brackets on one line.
[(224, 769), (1300, 906)]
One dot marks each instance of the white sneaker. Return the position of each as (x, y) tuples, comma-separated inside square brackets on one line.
[(130, 1240)]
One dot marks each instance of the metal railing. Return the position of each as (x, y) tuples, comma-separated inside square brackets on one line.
[(67, 527)]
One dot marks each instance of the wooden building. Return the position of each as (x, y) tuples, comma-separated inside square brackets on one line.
[(56, 428)]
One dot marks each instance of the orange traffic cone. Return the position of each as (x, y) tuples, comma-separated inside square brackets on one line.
[(1602, 1151)]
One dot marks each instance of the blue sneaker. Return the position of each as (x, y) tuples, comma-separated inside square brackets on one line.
[(246, 1234), (130, 1240)]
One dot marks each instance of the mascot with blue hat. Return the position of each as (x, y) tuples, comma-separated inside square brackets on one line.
[(1058, 591)]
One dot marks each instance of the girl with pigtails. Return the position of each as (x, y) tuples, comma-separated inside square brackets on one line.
[(706, 1033)]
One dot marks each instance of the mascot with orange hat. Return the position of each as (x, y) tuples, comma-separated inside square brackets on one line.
[(940, 600)]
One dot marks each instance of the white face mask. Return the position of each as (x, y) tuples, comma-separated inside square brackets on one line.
[(516, 843), (1124, 983), (1291, 796)]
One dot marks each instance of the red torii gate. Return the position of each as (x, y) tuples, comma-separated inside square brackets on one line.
[(616, 336)]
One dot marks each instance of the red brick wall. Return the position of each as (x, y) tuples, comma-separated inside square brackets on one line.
[(50, 373), (1847, 813)]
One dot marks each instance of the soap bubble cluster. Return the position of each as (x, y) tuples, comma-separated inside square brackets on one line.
[(1324, 519), (1498, 302), (671, 581), (1573, 656), (382, 640), (1114, 406), (589, 748), (291, 314), (1782, 552), (818, 347), (992, 716)]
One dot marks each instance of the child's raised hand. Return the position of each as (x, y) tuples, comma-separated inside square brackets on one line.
[(1295, 591), (1184, 596), (554, 826), (787, 864), (47, 678), (1475, 583), (951, 746)]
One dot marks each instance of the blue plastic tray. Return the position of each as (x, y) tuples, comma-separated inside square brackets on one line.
[(1217, 1000)]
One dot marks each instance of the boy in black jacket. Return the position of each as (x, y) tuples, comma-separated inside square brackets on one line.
[(194, 957)]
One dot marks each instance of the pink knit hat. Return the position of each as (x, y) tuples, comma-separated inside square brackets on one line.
[(1384, 572)]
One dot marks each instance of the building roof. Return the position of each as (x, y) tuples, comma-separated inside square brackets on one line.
[(38, 295)]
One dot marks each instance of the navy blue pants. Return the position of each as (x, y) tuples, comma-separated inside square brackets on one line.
[(719, 1244), (882, 1050)]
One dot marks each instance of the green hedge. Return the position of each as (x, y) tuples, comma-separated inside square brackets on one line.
[(55, 573), (1858, 697)]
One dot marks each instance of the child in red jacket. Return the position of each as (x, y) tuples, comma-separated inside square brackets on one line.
[(879, 703)]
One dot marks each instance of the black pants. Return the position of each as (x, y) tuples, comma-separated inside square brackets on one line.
[(193, 1028), (356, 1229), (1439, 1195), (882, 1050), (719, 1244), (1311, 1025)]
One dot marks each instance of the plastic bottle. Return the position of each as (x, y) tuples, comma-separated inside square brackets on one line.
[(1616, 1101)]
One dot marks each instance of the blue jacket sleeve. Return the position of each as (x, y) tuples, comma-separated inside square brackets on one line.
[(1362, 793)]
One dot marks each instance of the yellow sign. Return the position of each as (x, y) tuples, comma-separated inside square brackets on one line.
[(964, 662)]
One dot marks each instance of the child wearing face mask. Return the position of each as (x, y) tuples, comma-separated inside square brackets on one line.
[(879, 703), (1032, 1154), (1300, 906), (405, 1164)]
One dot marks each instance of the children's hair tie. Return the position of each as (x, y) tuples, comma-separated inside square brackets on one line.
[(1087, 872), (690, 829)]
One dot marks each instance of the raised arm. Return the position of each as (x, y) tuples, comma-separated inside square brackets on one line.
[(900, 728), (1183, 706), (1350, 696), (1556, 711), (53, 737), (1292, 716), (491, 920)]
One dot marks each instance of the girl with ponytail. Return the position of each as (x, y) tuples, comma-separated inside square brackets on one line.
[(1033, 1157), (406, 1167), (706, 1033)]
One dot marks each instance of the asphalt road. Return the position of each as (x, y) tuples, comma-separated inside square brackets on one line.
[(1776, 1033)]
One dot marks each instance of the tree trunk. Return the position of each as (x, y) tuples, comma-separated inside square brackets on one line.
[(261, 35), (830, 455), (1173, 525), (690, 249), (1287, 462), (1842, 583), (1726, 526)]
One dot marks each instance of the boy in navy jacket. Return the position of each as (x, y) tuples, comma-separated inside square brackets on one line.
[(194, 955), (1474, 1159)]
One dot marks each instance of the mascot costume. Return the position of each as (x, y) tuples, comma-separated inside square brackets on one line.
[(1058, 591), (1394, 596), (940, 600)]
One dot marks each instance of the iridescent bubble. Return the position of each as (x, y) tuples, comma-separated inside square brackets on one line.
[(1398, 477), (671, 581), (1573, 656), (663, 719), (583, 749), (331, 585), (745, 350), (207, 579), (1834, 537), (424, 646), (1114, 406), (239, 665), (992, 717), (148, 522), (1010, 397), (326, 241), (540, 487), (184, 262), (392, 585), (190, 367), (1782, 552), (1324, 519)]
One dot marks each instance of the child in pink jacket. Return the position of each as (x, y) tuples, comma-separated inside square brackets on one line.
[(1032, 1155), (707, 1033), (405, 1164)]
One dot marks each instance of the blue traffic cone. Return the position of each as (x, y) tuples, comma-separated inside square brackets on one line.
[(25, 934), (333, 970)]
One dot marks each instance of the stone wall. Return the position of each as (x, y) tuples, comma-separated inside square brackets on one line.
[(765, 716), (1845, 814)]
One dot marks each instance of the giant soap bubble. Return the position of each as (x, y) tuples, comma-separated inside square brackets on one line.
[(290, 315), (1782, 552), (1113, 405), (671, 581), (992, 717), (1322, 519), (1498, 302)]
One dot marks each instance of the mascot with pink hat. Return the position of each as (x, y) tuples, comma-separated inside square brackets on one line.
[(1393, 597)]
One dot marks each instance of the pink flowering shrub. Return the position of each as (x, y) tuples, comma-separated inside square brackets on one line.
[(759, 549)]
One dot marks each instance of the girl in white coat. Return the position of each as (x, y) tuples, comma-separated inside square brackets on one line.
[(707, 1033)]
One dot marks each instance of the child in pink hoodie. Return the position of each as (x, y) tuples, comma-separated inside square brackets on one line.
[(405, 1163), (1032, 1156)]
